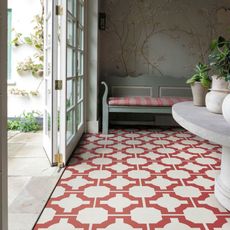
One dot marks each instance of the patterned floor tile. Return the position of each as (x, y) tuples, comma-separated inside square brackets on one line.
[(142, 179)]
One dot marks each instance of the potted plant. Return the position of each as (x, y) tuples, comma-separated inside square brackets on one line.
[(220, 57), (200, 83), (220, 62)]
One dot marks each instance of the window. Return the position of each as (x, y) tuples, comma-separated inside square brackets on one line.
[(9, 50)]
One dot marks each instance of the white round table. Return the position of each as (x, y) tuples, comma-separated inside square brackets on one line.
[(213, 127)]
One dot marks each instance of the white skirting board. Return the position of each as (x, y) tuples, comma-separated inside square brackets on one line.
[(92, 127)]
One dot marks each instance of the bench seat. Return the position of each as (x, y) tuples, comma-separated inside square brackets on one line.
[(136, 104), (145, 101)]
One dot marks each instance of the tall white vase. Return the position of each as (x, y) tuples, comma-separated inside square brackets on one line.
[(226, 108), (214, 99)]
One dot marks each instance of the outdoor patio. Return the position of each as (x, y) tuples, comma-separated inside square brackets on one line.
[(30, 179)]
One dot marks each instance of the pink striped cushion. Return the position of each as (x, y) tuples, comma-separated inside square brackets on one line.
[(146, 101)]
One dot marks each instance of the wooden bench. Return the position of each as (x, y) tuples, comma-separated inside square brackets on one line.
[(131, 102)]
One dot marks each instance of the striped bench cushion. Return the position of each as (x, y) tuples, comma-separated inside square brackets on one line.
[(146, 101)]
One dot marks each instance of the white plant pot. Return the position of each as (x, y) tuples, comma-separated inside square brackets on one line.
[(214, 100), (219, 83), (198, 93), (226, 108)]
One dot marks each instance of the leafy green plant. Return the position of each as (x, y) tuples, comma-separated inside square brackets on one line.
[(27, 122), (30, 65), (13, 124), (220, 57), (17, 41), (201, 75)]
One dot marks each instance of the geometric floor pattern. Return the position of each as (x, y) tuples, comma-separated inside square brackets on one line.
[(138, 179)]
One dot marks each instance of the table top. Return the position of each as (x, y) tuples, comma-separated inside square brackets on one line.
[(201, 122)]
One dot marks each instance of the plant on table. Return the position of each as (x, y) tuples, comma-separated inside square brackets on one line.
[(200, 83), (201, 75), (219, 59)]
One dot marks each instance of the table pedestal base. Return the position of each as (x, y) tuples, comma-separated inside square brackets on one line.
[(222, 184)]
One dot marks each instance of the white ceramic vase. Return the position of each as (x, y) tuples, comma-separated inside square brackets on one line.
[(214, 99), (226, 108), (198, 93)]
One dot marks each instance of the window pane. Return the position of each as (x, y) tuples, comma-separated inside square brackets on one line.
[(71, 32), (80, 39), (48, 40), (48, 62), (81, 14), (79, 89), (80, 63), (70, 93), (69, 130), (72, 7), (80, 114), (70, 60)]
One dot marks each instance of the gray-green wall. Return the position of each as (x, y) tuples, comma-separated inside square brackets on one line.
[(159, 37)]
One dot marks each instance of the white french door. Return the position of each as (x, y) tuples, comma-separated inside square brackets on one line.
[(50, 118), (72, 75), (64, 63)]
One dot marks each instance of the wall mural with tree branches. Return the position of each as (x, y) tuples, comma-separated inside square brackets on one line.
[(159, 37)]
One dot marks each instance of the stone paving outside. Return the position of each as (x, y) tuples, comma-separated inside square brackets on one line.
[(30, 179)]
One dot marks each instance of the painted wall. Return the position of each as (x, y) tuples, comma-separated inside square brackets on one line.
[(92, 66), (23, 12), (159, 37)]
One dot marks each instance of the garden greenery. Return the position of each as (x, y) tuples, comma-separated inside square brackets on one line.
[(27, 122)]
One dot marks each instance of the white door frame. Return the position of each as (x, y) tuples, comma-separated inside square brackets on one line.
[(3, 116), (50, 117)]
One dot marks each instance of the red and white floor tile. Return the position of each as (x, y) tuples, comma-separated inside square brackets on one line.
[(138, 179)]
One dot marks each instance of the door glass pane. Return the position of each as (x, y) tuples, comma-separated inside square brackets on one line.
[(48, 63), (74, 64), (72, 7), (70, 60), (71, 31), (70, 93), (69, 130), (79, 88), (81, 14), (48, 32), (80, 63), (79, 114), (80, 39)]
